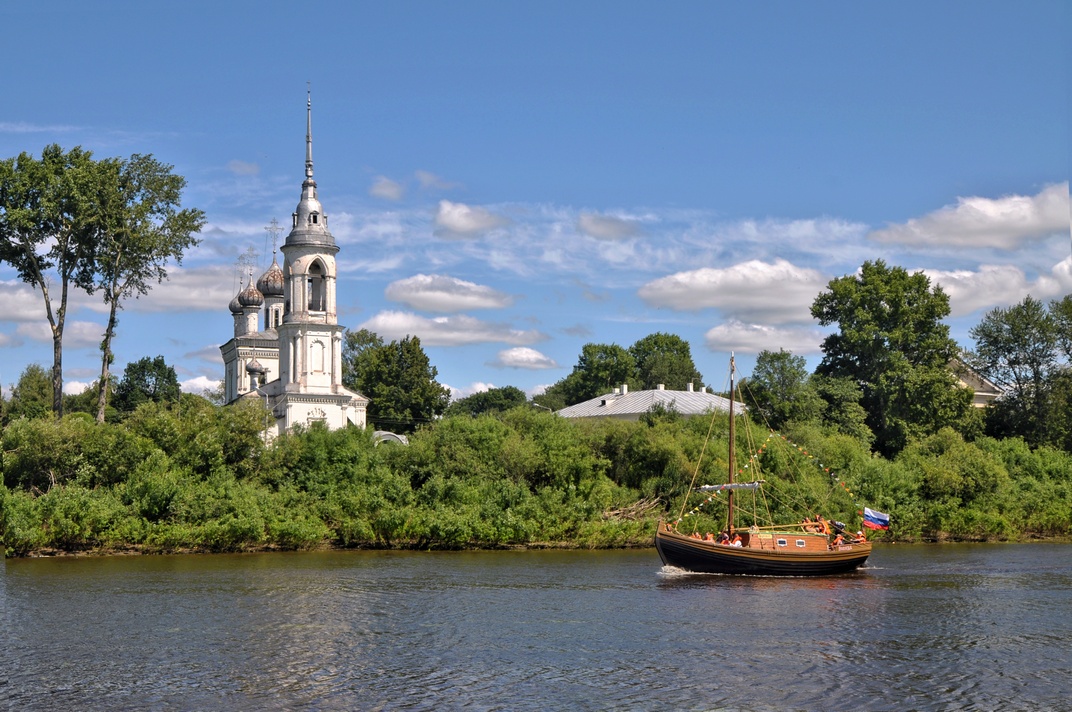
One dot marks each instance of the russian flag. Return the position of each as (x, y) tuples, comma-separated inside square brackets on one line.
[(876, 520)]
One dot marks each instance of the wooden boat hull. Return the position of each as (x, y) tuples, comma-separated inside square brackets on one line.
[(698, 556)]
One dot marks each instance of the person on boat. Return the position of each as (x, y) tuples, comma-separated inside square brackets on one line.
[(737, 540), (820, 525), (709, 537), (838, 541), (806, 524), (695, 535), (724, 538), (859, 538)]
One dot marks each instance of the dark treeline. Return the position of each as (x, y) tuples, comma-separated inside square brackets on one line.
[(195, 476)]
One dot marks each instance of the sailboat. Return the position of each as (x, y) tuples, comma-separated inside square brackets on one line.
[(809, 548)]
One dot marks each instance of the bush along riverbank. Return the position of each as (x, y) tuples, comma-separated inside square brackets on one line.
[(197, 477)]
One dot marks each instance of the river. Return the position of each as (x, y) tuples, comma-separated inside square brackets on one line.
[(979, 627)]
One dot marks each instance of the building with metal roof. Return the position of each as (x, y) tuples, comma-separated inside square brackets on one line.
[(623, 405)]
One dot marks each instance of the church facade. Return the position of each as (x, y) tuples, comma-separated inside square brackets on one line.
[(287, 344)]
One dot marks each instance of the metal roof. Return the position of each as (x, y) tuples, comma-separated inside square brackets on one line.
[(630, 406)]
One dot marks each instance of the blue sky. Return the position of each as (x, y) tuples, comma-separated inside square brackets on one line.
[(511, 180)]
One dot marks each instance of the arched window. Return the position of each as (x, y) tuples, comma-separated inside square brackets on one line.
[(317, 293)]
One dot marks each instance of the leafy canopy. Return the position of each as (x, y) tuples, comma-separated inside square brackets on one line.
[(892, 342)]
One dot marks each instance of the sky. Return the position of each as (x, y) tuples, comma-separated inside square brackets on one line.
[(510, 181)]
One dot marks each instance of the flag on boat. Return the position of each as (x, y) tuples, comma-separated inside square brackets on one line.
[(876, 520)]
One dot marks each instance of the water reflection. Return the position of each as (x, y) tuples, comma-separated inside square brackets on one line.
[(920, 628)]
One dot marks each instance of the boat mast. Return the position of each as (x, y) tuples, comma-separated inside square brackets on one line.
[(729, 496)]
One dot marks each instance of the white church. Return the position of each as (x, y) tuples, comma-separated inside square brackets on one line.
[(287, 345)]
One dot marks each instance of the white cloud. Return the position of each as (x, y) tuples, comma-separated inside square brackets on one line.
[(242, 168), (208, 288), (210, 354), (463, 220), (750, 291), (430, 181), (23, 127), (444, 294), (457, 393), (607, 227), (20, 302), (76, 334), (753, 338), (1004, 223), (446, 330), (384, 187), (74, 388), (999, 285), (522, 357), (199, 385)]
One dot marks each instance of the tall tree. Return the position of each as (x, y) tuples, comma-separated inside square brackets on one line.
[(600, 368), (666, 359), (357, 346), (145, 380), (144, 229), (1019, 348), (778, 390), (31, 396), (398, 380), (50, 219), (892, 342)]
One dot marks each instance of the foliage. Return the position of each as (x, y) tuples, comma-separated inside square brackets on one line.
[(50, 220), (664, 359), (493, 400), (600, 368), (31, 396), (142, 230), (892, 342), (194, 476), (1020, 348), (778, 391), (397, 378), (146, 380)]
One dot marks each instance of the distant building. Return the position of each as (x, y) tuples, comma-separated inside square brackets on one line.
[(623, 405), (295, 362), (985, 391)]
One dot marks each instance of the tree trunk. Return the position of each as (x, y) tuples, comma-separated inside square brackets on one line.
[(106, 361)]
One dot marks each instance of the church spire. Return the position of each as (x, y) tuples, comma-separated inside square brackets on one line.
[(309, 135)]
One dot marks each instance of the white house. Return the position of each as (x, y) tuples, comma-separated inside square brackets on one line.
[(623, 405)]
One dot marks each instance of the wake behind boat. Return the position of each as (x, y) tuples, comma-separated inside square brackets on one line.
[(809, 548)]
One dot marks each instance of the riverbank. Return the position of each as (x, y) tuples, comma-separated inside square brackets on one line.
[(200, 479)]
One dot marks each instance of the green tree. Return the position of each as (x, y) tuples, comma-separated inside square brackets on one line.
[(779, 391), (493, 400), (145, 380), (600, 368), (842, 411), (144, 229), (1061, 310), (50, 221), (31, 397), (1019, 348), (398, 379), (356, 348), (891, 341), (666, 359)]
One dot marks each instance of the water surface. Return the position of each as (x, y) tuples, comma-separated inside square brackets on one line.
[(922, 628)]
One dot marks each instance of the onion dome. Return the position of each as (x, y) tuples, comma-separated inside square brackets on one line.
[(250, 296), (235, 306), (254, 368), (271, 282)]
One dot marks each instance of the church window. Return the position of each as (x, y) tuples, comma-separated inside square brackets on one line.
[(316, 287)]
